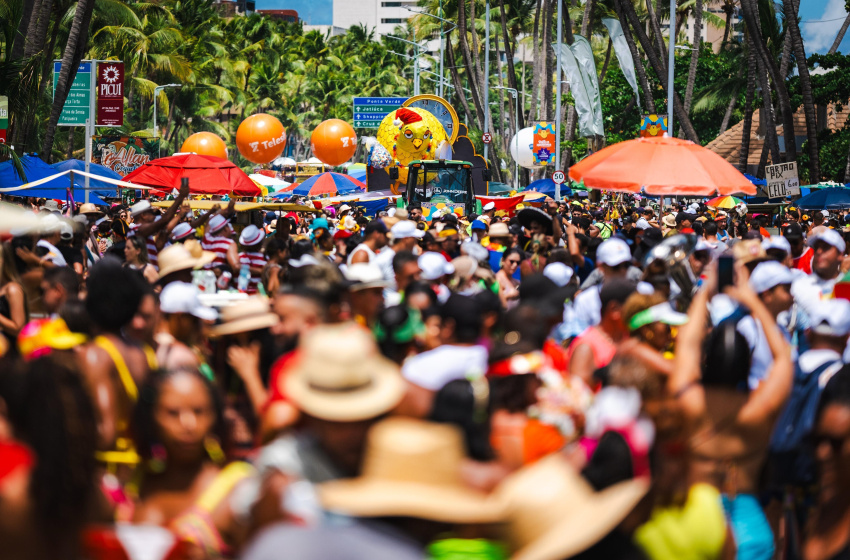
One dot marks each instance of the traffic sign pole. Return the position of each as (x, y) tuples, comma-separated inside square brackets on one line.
[(90, 124)]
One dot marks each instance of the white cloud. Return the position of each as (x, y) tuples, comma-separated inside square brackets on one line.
[(818, 36)]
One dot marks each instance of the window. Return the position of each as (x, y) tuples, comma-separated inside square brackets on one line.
[(393, 20), (391, 4)]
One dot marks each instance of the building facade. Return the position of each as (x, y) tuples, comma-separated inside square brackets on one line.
[(381, 15)]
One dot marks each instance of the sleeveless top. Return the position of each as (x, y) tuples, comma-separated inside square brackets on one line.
[(361, 247), (253, 259), (218, 245), (601, 345), (124, 451)]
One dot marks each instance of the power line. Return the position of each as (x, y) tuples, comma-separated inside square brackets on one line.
[(822, 20)]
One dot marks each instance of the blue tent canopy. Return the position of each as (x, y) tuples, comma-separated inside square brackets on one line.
[(821, 199), (57, 188), (755, 180), (547, 187), (94, 169)]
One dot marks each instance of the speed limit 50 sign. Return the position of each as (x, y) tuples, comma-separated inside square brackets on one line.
[(559, 177)]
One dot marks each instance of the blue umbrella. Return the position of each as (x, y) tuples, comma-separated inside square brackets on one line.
[(821, 199), (547, 187), (57, 188), (94, 169), (755, 180)]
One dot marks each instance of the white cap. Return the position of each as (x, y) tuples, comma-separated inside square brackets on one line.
[(217, 222), (405, 229), (434, 265), (66, 232), (251, 235), (613, 252), (641, 223), (363, 276), (559, 273), (768, 275), (344, 208), (139, 207), (825, 213), (829, 236), (182, 231), (830, 317), (181, 297), (50, 223), (489, 206), (776, 242), (694, 206)]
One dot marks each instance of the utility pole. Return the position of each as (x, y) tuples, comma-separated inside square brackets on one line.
[(486, 74), (558, 100), (443, 34), (515, 95), (671, 70), (415, 60)]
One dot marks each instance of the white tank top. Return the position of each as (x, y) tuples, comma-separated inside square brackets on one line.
[(361, 247)]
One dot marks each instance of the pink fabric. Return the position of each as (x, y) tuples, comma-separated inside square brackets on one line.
[(600, 344)]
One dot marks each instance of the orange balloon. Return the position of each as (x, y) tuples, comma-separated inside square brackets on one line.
[(333, 142), (205, 144), (260, 138)]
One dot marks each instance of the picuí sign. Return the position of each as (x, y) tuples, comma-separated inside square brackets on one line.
[(110, 93)]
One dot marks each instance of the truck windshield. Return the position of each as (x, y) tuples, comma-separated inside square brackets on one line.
[(440, 185)]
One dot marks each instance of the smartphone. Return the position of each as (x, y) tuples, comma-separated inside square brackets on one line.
[(725, 272)]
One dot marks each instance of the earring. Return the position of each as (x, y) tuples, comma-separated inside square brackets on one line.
[(649, 335), (214, 449), (157, 462)]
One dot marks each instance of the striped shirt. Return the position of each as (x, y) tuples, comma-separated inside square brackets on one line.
[(217, 245), (153, 253), (253, 259)]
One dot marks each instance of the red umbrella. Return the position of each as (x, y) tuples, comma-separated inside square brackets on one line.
[(206, 174), (660, 166)]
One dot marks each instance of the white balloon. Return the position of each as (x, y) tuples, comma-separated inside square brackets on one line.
[(521, 148)]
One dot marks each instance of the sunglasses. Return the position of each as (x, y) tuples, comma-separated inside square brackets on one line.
[(511, 261)]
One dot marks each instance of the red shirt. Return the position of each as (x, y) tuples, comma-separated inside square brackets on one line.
[(277, 375), (804, 261)]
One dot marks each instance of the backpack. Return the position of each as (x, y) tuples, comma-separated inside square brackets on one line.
[(794, 463)]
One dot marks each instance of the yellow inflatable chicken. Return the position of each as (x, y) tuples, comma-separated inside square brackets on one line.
[(411, 134)]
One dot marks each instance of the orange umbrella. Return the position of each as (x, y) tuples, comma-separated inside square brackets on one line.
[(660, 166)]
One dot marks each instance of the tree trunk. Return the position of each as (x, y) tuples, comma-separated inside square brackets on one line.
[(537, 55), (732, 102), (20, 38), (70, 152), (638, 60), (660, 68), (656, 28), (548, 90), (37, 44), (476, 48), (467, 62), (607, 60), (768, 118), (748, 108), (71, 57), (31, 29), (749, 8), (692, 69), (453, 72), (805, 87), (840, 37), (727, 25), (509, 54)]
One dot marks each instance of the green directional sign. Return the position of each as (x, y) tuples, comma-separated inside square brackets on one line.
[(78, 105), (370, 111)]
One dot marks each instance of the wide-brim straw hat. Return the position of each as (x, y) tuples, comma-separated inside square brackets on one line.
[(340, 375), (185, 256), (412, 468), (89, 208), (248, 315), (553, 513)]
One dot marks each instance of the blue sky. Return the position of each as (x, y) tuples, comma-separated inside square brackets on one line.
[(820, 22), (821, 19), (312, 12)]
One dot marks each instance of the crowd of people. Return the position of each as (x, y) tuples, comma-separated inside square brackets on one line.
[(594, 380)]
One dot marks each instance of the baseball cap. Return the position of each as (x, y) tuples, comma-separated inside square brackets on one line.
[(434, 265), (768, 275), (405, 229), (363, 276), (829, 236), (181, 297), (613, 252), (559, 273), (792, 231), (478, 225), (830, 317), (251, 235), (661, 313), (776, 242)]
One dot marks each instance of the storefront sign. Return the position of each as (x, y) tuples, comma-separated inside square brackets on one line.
[(124, 154)]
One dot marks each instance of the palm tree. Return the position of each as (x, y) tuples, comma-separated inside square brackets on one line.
[(796, 39), (692, 69)]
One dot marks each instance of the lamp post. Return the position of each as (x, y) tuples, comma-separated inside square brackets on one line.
[(670, 68), (415, 60), (558, 101), (442, 39), (156, 91), (515, 95), (487, 73)]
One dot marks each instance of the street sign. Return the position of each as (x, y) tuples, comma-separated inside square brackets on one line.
[(78, 104), (370, 111), (559, 177), (4, 117), (110, 93), (486, 138), (782, 180)]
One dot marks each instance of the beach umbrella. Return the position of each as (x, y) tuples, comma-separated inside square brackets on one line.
[(660, 166), (57, 188), (547, 186), (724, 202), (206, 174), (272, 183), (823, 199), (329, 183)]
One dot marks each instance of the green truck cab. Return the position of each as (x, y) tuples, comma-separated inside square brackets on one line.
[(441, 182)]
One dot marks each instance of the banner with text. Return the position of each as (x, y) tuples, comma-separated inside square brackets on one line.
[(77, 106), (782, 180), (110, 93), (124, 154), (543, 146), (370, 111)]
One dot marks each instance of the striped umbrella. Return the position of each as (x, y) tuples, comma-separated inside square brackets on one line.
[(329, 183), (724, 202)]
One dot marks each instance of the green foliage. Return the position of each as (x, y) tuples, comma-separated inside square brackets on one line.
[(834, 147)]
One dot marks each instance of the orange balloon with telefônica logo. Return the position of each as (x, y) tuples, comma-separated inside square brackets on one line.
[(260, 138), (205, 144), (333, 142)]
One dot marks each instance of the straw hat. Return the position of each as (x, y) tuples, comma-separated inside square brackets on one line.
[(251, 314), (669, 220), (411, 469), (89, 208), (340, 375), (178, 257), (553, 513)]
